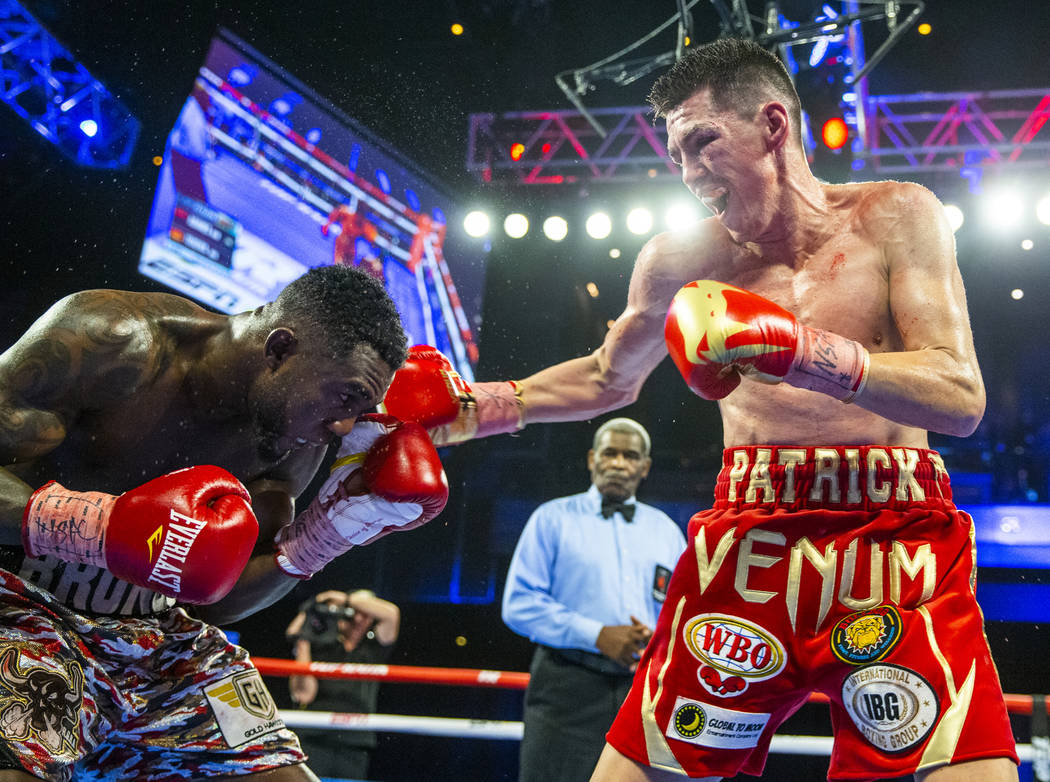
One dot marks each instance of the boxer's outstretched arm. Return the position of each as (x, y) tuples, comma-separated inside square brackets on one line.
[(935, 383), (612, 376)]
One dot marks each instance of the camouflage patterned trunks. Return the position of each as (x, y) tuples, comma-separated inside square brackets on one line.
[(162, 697)]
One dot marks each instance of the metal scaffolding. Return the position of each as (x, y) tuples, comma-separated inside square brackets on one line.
[(44, 84), (969, 133)]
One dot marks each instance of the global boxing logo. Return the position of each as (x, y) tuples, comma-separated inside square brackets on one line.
[(866, 636), (708, 725), (689, 720), (733, 653)]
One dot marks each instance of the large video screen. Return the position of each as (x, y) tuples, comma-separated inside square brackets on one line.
[(262, 179)]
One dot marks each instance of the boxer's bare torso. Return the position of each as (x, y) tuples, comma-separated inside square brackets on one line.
[(873, 262), (124, 393)]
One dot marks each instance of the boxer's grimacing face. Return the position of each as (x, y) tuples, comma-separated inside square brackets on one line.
[(312, 398), (618, 465), (725, 162)]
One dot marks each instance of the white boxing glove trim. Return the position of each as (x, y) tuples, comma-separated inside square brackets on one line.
[(327, 529)]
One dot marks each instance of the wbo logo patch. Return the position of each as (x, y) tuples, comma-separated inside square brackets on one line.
[(866, 636), (713, 726), (893, 707), (733, 652)]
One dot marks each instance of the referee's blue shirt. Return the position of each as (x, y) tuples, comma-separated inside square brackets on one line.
[(573, 571)]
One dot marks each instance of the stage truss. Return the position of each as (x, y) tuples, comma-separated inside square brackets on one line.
[(969, 133)]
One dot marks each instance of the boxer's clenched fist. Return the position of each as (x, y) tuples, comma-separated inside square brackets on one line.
[(716, 332)]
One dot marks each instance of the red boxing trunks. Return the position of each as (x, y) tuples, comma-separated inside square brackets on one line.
[(845, 571), (149, 698)]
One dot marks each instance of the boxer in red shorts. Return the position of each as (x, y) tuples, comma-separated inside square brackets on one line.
[(820, 316), (845, 571)]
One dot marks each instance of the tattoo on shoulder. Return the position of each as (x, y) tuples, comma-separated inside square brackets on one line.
[(97, 341)]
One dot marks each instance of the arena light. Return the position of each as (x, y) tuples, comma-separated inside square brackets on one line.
[(835, 133), (1042, 210), (58, 97), (555, 228), (456, 28), (1017, 294), (955, 216), (516, 225), (476, 223), (681, 215), (640, 221), (614, 252), (1003, 209), (598, 225), (1027, 244)]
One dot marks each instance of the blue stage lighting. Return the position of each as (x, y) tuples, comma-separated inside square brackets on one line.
[(58, 97), (384, 180), (242, 75)]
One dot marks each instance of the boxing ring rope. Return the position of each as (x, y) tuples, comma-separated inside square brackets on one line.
[(495, 729)]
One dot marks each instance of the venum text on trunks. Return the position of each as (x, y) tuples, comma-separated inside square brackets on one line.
[(733, 652), (896, 571)]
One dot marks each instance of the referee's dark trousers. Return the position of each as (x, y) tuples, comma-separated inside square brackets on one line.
[(570, 704)]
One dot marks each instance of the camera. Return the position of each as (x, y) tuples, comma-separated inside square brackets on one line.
[(322, 622)]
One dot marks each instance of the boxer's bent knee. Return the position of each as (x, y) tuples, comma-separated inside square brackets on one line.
[(296, 773), (983, 770), (614, 767), (17, 776)]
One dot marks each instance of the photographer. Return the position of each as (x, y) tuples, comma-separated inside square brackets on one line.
[(339, 627)]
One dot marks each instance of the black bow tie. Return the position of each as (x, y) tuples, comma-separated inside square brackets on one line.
[(609, 507)]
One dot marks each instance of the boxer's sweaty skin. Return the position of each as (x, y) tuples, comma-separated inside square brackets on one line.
[(110, 389), (873, 262)]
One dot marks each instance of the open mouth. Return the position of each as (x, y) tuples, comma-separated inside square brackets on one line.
[(716, 201)]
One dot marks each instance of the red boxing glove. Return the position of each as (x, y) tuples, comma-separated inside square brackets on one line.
[(428, 391), (387, 477), (716, 332), (187, 534)]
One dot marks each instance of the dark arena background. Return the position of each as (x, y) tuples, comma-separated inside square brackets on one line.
[(535, 108)]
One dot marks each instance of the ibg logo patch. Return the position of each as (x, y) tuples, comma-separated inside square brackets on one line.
[(893, 707), (733, 652), (867, 636)]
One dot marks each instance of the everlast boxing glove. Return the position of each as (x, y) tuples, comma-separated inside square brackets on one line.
[(187, 534), (715, 333), (428, 391), (387, 477)]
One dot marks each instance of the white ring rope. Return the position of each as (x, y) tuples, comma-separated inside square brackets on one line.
[(490, 729), (510, 730)]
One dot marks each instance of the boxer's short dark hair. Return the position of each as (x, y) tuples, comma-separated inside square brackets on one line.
[(350, 308), (740, 74)]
